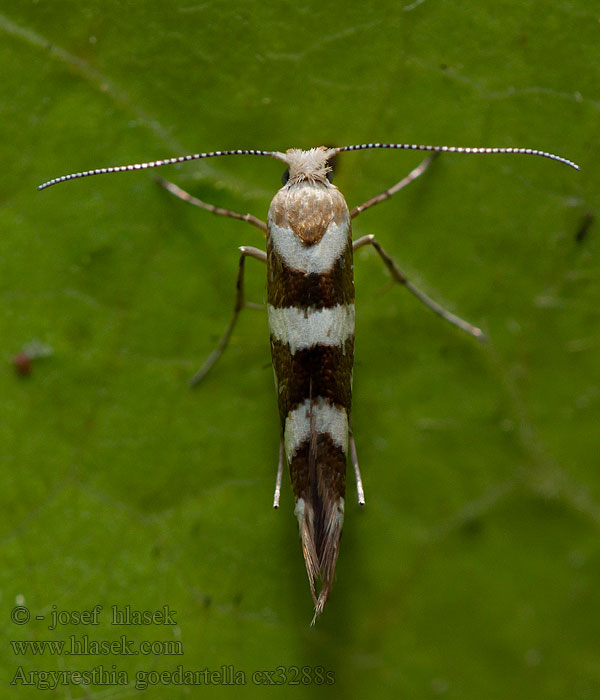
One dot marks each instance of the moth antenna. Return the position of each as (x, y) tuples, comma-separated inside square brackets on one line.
[(459, 149), (281, 156), (157, 164)]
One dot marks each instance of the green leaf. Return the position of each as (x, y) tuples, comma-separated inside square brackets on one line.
[(472, 571)]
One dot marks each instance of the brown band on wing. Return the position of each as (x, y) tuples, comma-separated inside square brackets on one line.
[(329, 481), (288, 287), (326, 369)]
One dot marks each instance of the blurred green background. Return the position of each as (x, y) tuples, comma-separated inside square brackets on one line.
[(474, 570)]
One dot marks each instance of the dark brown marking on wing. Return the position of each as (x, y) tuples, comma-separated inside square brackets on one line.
[(288, 287), (327, 367), (329, 481)]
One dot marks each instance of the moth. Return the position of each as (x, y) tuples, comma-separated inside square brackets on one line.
[(310, 302)]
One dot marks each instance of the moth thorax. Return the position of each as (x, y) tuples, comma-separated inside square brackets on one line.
[(308, 209)]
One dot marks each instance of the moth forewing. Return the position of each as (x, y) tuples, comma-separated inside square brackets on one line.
[(310, 294)]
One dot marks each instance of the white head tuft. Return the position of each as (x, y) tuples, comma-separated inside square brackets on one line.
[(308, 165)]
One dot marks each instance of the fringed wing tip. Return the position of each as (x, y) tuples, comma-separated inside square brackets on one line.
[(320, 605), (320, 550)]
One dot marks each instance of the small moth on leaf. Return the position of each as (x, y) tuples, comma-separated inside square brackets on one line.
[(310, 295)]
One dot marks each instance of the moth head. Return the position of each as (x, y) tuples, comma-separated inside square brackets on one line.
[(307, 166)]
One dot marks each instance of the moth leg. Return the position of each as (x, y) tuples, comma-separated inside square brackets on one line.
[(186, 197), (413, 175), (278, 479), (359, 486), (399, 277), (246, 251)]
